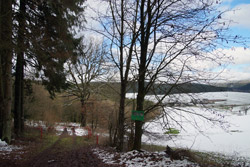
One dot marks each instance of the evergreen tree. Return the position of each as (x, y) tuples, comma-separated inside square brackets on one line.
[(45, 40)]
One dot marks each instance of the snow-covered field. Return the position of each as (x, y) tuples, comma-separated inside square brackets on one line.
[(199, 134)]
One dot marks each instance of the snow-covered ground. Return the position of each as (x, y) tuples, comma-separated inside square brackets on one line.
[(59, 127), (198, 133), (79, 131), (7, 149), (141, 159)]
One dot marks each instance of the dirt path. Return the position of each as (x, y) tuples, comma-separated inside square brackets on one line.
[(60, 155)]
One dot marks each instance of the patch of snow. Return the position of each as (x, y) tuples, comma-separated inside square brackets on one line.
[(141, 159), (59, 127), (81, 132), (6, 149), (3, 143)]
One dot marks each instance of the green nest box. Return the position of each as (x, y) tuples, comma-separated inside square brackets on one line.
[(137, 115)]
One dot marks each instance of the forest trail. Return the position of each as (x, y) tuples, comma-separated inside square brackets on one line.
[(66, 151), (63, 151)]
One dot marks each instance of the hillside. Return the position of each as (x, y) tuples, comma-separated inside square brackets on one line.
[(237, 86), (181, 88), (245, 88), (114, 87)]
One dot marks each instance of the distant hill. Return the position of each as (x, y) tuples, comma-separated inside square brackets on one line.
[(110, 88), (245, 88), (182, 88), (233, 84), (237, 86)]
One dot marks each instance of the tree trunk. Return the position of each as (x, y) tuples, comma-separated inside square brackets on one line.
[(83, 114), (1, 97), (6, 55), (138, 124), (1, 73), (22, 101), (142, 73), (19, 77), (18, 107), (121, 129)]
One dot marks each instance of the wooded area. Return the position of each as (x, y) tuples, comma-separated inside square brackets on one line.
[(152, 44)]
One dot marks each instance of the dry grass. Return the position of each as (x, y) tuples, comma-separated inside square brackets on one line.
[(204, 159)]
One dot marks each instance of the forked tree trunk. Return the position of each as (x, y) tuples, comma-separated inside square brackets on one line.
[(121, 129)]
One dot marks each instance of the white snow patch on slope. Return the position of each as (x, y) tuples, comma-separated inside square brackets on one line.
[(140, 159), (6, 149)]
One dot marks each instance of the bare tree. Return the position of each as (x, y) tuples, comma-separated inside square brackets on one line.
[(126, 40), (175, 36), (163, 44), (86, 68), (120, 29)]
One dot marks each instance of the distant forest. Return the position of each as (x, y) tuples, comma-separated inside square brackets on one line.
[(183, 88)]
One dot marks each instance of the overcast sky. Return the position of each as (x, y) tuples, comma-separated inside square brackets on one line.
[(239, 69)]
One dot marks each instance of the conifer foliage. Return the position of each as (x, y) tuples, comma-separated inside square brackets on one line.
[(37, 37)]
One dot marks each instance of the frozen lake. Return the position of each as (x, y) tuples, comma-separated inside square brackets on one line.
[(199, 134)]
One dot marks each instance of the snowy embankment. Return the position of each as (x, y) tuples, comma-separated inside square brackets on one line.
[(7, 149), (200, 134), (141, 159), (59, 127)]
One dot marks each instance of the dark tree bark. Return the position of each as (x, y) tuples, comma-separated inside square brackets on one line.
[(83, 114), (6, 63), (121, 129), (145, 31), (1, 74), (123, 85), (19, 76)]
